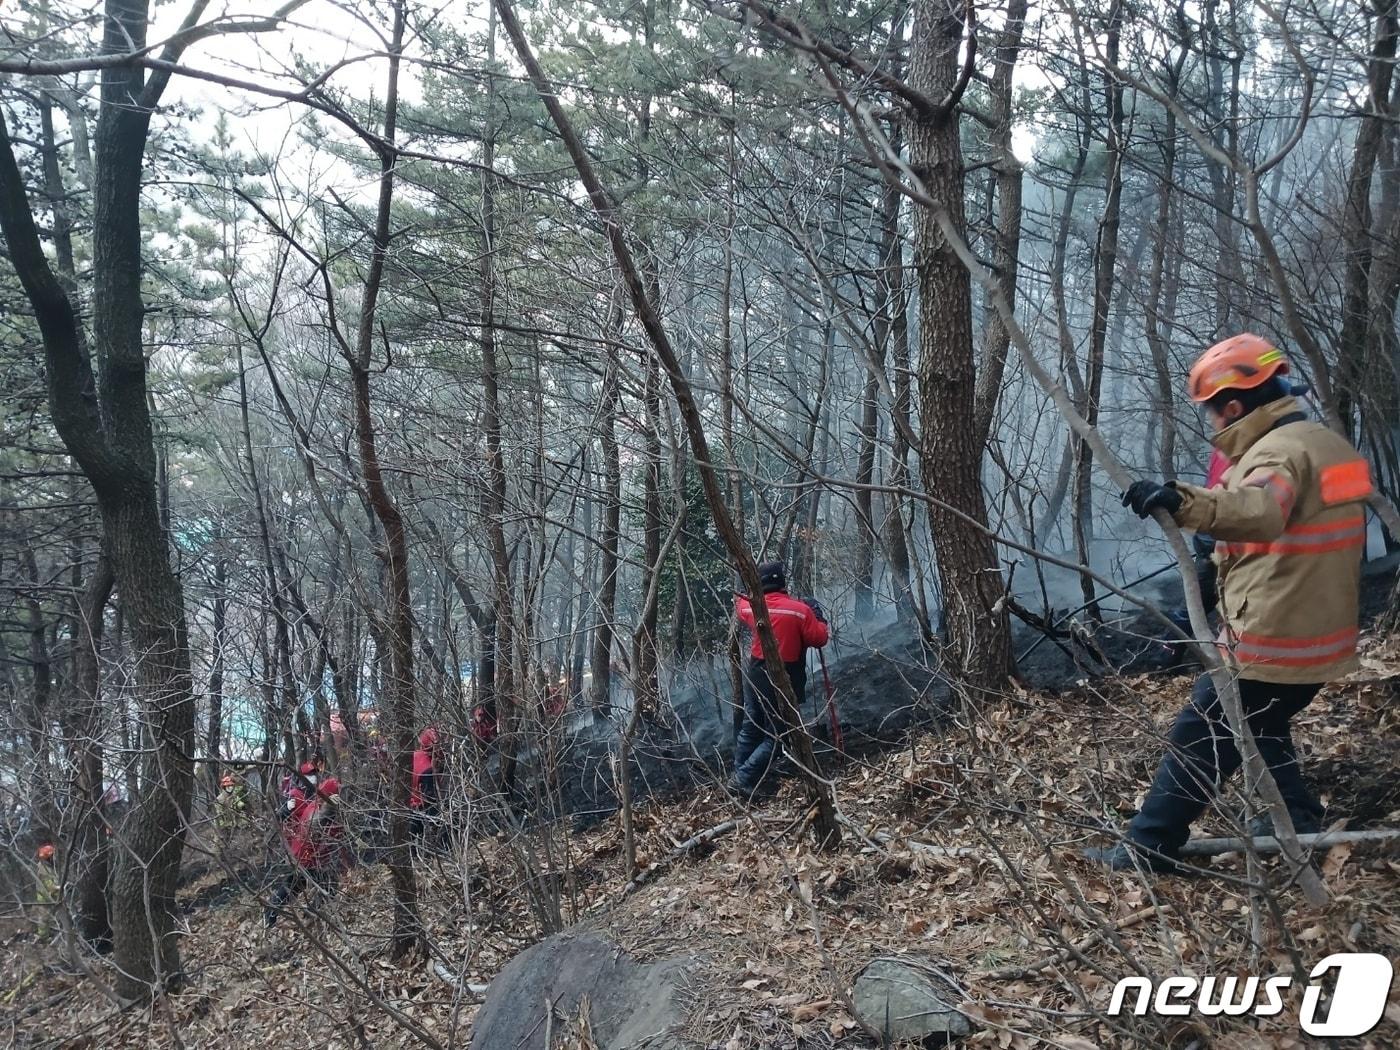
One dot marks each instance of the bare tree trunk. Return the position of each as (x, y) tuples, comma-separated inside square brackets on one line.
[(407, 931), (282, 640), (1157, 277), (1385, 289), (889, 273), (57, 195), (682, 611), (37, 715), (803, 570), (640, 708), (868, 429), (600, 699), (1355, 357), (1218, 46), (90, 838), (1008, 195), (214, 734), (909, 599), (1105, 256), (794, 540), (645, 684), (105, 423), (586, 590), (824, 825), (979, 634), (272, 722), (734, 482), (1059, 251), (506, 641)]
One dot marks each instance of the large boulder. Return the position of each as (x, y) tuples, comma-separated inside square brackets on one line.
[(908, 1000), (629, 1004)]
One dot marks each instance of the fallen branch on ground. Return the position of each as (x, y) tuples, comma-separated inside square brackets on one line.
[(1193, 848), (694, 842), (442, 973), (915, 846), (1268, 844)]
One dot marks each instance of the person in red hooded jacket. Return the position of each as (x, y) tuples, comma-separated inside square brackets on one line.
[(797, 626), (423, 795), (297, 788), (313, 835), (485, 726)]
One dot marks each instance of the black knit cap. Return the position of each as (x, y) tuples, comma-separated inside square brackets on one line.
[(1255, 397), (773, 576)]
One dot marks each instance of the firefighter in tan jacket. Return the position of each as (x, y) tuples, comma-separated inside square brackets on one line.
[(1289, 526)]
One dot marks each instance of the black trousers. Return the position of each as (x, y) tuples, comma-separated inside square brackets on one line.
[(298, 879), (429, 833), (1201, 756), (758, 745)]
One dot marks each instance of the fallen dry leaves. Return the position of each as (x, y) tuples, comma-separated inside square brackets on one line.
[(1003, 903)]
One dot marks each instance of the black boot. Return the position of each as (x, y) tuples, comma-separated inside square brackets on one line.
[(1262, 826), (1130, 856)]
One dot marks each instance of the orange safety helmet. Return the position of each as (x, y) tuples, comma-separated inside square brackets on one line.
[(45, 852), (1241, 362)]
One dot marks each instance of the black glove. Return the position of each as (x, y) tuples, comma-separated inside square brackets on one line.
[(817, 610), (1146, 496)]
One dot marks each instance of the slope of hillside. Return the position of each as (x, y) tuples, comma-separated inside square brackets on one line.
[(961, 848)]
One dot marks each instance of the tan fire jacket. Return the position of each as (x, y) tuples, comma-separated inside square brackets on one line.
[(1289, 525)]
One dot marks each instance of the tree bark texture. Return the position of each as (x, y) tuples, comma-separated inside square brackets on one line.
[(90, 855), (104, 420), (979, 636), (1008, 197), (1105, 257), (600, 699), (1357, 359), (407, 931)]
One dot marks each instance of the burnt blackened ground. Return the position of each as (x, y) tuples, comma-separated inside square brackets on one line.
[(1135, 642), (887, 685), (1362, 787)]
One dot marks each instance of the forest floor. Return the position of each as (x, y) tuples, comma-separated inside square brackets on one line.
[(783, 929)]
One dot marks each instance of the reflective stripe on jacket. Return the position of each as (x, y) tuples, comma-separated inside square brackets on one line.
[(795, 625), (1290, 528)]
